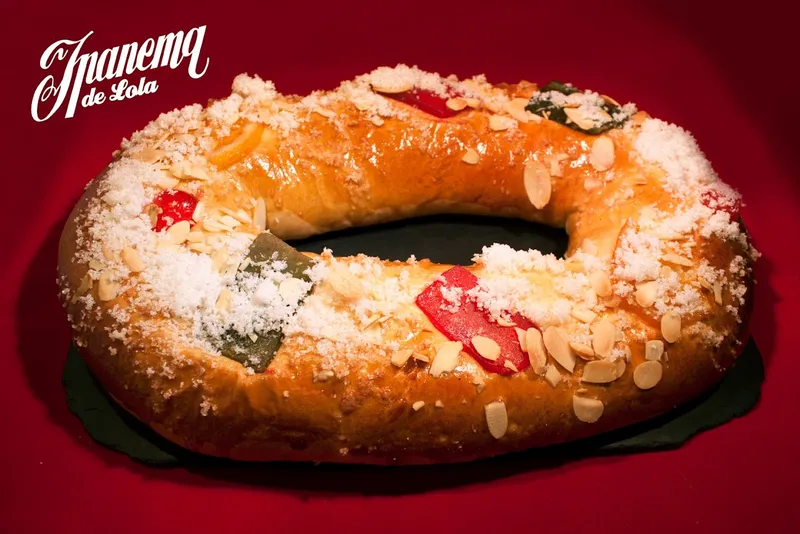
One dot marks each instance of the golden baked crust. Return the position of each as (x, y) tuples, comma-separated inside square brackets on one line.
[(641, 235)]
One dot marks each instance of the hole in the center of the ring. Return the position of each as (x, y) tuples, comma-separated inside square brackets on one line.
[(452, 239)]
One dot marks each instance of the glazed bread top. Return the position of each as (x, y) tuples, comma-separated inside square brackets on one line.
[(656, 259)]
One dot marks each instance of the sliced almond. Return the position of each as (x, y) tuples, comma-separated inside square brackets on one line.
[(612, 301), (472, 102), (639, 117), (390, 86), (107, 288), (603, 338), (552, 376), (602, 155), (601, 283), (584, 351), (199, 211), (495, 106), (220, 259), (610, 101), (717, 293), (195, 237), (486, 347), (646, 294), (327, 113), (152, 212), (179, 231), (504, 322), (671, 326), (344, 283), (439, 404), (534, 346), (456, 104), (202, 248), (508, 364), (212, 225), (537, 183), (647, 374), (521, 338), (224, 300), (516, 108), (599, 372), (620, 364), (168, 183), (557, 344), (148, 155), (239, 214), (228, 221), (587, 410), (417, 406), (132, 260), (471, 157), (83, 288), (361, 104), (578, 117), (582, 314), (189, 171), (653, 350), (677, 260), (446, 358), (498, 123), (496, 418), (260, 214), (186, 138), (400, 357), (422, 357)]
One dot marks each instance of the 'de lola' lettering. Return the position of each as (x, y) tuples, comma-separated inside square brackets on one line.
[(117, 63)]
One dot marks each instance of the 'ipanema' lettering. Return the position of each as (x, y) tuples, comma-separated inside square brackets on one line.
[(84, 69)]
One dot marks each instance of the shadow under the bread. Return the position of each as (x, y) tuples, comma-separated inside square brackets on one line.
[(737, 393)]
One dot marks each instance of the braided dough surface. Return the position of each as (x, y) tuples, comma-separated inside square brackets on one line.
[(647, 311)]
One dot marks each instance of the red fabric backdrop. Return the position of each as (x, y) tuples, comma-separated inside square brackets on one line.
[(724, 72)]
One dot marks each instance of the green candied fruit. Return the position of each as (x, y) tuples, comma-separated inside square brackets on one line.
[(542, 104), (258, 354)]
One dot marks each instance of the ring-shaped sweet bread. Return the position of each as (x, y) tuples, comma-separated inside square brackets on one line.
[(199, 320)]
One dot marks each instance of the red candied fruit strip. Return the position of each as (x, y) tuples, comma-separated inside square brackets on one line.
[(426, 101), (469, 320), (714, 200), (176, 206)]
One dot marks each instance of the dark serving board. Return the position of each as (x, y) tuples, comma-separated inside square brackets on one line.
[(452, 239)]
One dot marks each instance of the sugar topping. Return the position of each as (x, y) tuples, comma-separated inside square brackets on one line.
[(676, 151), (196, 282)]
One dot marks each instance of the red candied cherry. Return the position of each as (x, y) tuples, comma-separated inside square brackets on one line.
[(426, 101), (495, 347), (175, 206)]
